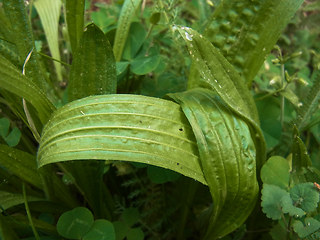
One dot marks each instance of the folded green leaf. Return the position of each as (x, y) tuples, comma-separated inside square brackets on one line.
[(75, 21), (93, 70), (49, 13), (122, 127), (126, 16), (13, 81), (227, 157), (220, 76), (246, 31)]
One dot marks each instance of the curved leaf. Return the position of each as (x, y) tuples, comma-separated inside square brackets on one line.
[(13, 81), (127, 13), (220, 76), (122, 127), (93, 69), (227, 156), (8, 200)]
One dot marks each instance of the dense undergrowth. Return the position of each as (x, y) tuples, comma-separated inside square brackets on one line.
[(165, 119)]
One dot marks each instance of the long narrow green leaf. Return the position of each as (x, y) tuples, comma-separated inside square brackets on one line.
[(93, 70), (220, 76), (310, 104), (75, 21), (21, 164), (122, 127), (227, 155), (246, 31), (13, 81), (8, 200), (126, 16), (49, 12), (23, 39)]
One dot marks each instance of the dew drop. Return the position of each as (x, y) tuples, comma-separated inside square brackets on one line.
[(82, 113), (300, 104), (188, 36)]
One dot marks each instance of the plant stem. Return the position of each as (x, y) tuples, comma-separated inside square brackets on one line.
[(36, 235)]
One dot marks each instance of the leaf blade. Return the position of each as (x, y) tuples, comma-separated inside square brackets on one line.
[(75, 21), (227, 155), (126, 16), (49, 12), (122, 127), (93, 71)]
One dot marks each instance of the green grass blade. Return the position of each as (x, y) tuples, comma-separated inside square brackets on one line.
[(49, 12), (246, 31), (122, 127), (220, 76), (21, 164), (21, 34), (13, 81), (126, 16), (8, 200), (93, 70), (228, 159), (310, 104), (75, 21)]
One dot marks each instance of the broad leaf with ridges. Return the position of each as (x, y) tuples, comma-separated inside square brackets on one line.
[(122, 127), (93, 70), (227, 156)]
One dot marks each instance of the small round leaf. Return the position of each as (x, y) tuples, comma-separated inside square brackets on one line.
[(74, 224), (101, 230), (135, 234), (271, 204), (276, 172), (305, 196)]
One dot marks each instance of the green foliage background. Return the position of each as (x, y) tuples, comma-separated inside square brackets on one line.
[(83, 80)]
